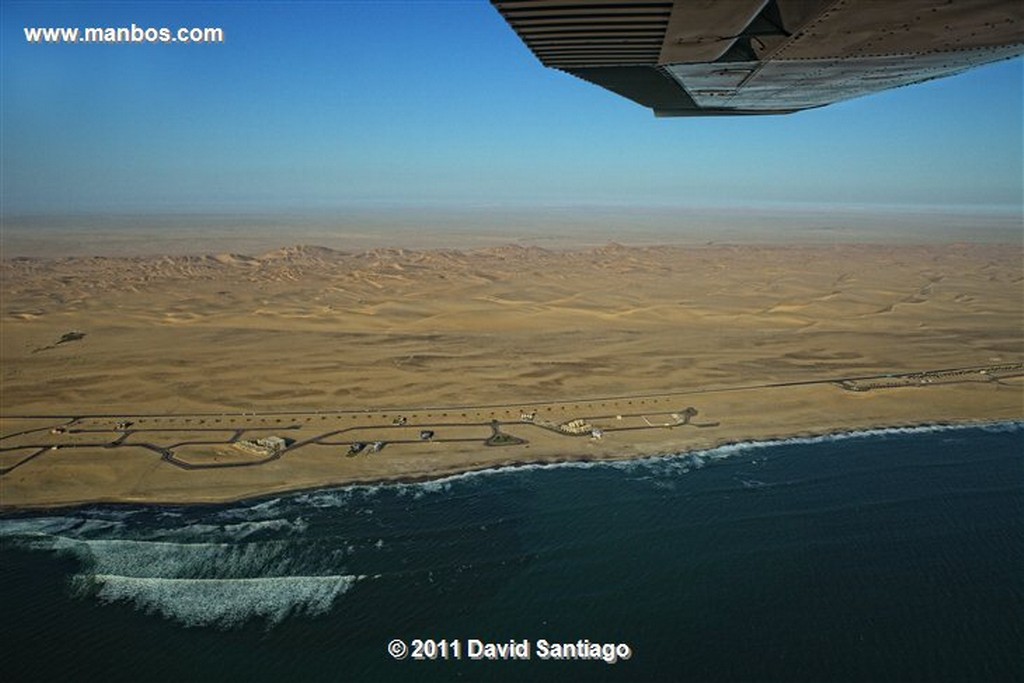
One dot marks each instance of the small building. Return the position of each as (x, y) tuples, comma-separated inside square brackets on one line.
[(267, 446), (576, 427)]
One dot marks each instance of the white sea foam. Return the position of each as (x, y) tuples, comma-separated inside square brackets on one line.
[(343, 496), (266, 505), (264, 509), (203, 584), (94, 526), (163, 559), (223, 603), (242, 530), (186, 532), (325, 499), (37, 526), (238, 531), (1002, 426)]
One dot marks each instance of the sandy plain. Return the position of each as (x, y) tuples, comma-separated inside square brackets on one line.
[(308, 340)]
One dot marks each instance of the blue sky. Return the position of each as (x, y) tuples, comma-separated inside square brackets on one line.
[(324, 104)]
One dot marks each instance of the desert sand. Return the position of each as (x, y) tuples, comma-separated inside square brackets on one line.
[(319, 340)]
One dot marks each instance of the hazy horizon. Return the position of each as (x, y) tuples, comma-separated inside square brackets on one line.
[(439, 226)]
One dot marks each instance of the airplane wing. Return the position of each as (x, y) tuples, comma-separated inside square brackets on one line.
[(708, 57)]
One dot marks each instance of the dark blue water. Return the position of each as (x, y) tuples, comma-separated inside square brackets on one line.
[(895, 556)]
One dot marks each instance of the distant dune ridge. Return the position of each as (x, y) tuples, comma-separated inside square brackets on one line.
[(541, 324), (312, 328)]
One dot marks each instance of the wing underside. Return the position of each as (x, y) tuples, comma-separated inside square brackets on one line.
[(707, 57)]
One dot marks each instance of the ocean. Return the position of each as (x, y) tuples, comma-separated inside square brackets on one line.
[(894, 555)]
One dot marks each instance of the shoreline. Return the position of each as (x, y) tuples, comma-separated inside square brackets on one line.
[(803, 437), (169, 363)]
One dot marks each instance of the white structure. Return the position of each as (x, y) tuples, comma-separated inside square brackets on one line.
[(270, 445), (578, 426)]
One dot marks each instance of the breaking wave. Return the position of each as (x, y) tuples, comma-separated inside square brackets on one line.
[(223, 581), (136, 558), (222, 603)]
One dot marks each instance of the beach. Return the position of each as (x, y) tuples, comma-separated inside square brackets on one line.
[(309, 341)]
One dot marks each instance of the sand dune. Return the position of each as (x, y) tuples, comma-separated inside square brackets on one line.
[(311, 328), (205, 331)]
